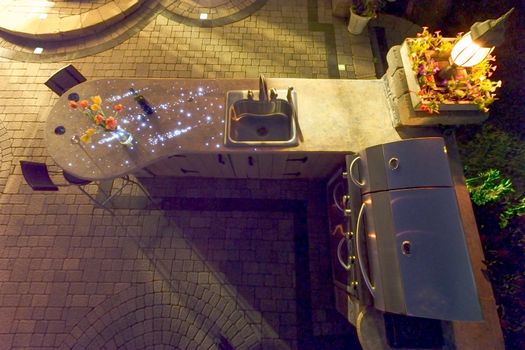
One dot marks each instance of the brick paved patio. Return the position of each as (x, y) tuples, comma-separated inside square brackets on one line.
[(243, 259)]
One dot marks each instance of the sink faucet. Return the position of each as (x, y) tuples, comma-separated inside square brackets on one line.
[(263, 89)]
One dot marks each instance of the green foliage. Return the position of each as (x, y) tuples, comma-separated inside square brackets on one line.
[(491, 147), (367, 8), (512, 210), (488, 187)]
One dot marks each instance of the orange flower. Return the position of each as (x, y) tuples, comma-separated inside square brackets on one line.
[(84, 103), (118, 107), (111, 123), (73, 104), (99, 119)]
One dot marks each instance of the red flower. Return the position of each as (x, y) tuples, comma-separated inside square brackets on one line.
[(99, 119), (118, 107), (84, 103), (73, 104), (111, 123), (426, 109)]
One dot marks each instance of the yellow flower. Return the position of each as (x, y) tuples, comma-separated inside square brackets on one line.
[(94, 107), (86, 138), (96, 100)]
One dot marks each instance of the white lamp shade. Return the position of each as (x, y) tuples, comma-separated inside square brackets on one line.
[(466, 53)]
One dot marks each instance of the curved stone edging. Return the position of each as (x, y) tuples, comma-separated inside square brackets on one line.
[(183, 16), (54, 27), (141, 20)]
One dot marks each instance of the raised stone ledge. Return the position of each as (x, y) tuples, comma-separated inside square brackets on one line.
[(55, 27)]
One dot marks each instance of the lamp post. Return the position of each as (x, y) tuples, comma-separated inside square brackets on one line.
[(477, 44)]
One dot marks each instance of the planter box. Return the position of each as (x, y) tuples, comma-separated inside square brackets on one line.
[(357, 23), (402, 88), (413, 86)]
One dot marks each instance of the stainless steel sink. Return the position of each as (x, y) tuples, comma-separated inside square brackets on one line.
[(250, 122)]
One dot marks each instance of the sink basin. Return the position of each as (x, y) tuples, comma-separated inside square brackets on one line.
[(250, 122)]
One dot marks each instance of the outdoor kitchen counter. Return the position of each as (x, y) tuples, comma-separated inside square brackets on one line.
[(334, 116)]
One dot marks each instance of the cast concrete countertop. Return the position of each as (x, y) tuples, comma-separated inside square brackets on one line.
[(334, 116)]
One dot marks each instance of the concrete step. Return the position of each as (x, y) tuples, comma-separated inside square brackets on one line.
[(20, 23)]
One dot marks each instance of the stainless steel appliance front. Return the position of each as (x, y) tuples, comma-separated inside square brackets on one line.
[(409, 240)]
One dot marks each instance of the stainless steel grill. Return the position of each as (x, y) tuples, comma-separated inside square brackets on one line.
[(405, 239)]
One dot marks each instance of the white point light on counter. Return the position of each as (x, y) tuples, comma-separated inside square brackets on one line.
[(38, 50), (168, 135), (203, 16)]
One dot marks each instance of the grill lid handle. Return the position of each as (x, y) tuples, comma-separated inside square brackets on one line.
[(354, 180), (369, 285), (346, 238)]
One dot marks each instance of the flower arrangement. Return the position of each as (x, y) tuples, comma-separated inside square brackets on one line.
[(429, 53), (367, 8), (95, 112)]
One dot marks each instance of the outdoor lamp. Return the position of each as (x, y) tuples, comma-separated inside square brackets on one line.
[(477, 44)]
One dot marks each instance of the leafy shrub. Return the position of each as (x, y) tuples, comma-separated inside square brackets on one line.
[(489, 187), (491, 147)]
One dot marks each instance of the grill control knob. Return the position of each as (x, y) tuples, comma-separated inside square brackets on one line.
[(354, 284), (349, 234), (351, 259), (348, 212), (344, 174)]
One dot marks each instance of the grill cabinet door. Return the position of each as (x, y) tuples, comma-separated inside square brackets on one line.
[(424, 263), (404, 164)]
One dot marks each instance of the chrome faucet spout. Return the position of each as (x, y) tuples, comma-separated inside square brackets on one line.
[(263, 89)]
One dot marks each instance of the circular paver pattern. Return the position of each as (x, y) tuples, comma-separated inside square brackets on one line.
[(59, 7), (216, 12), (187, 12)]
